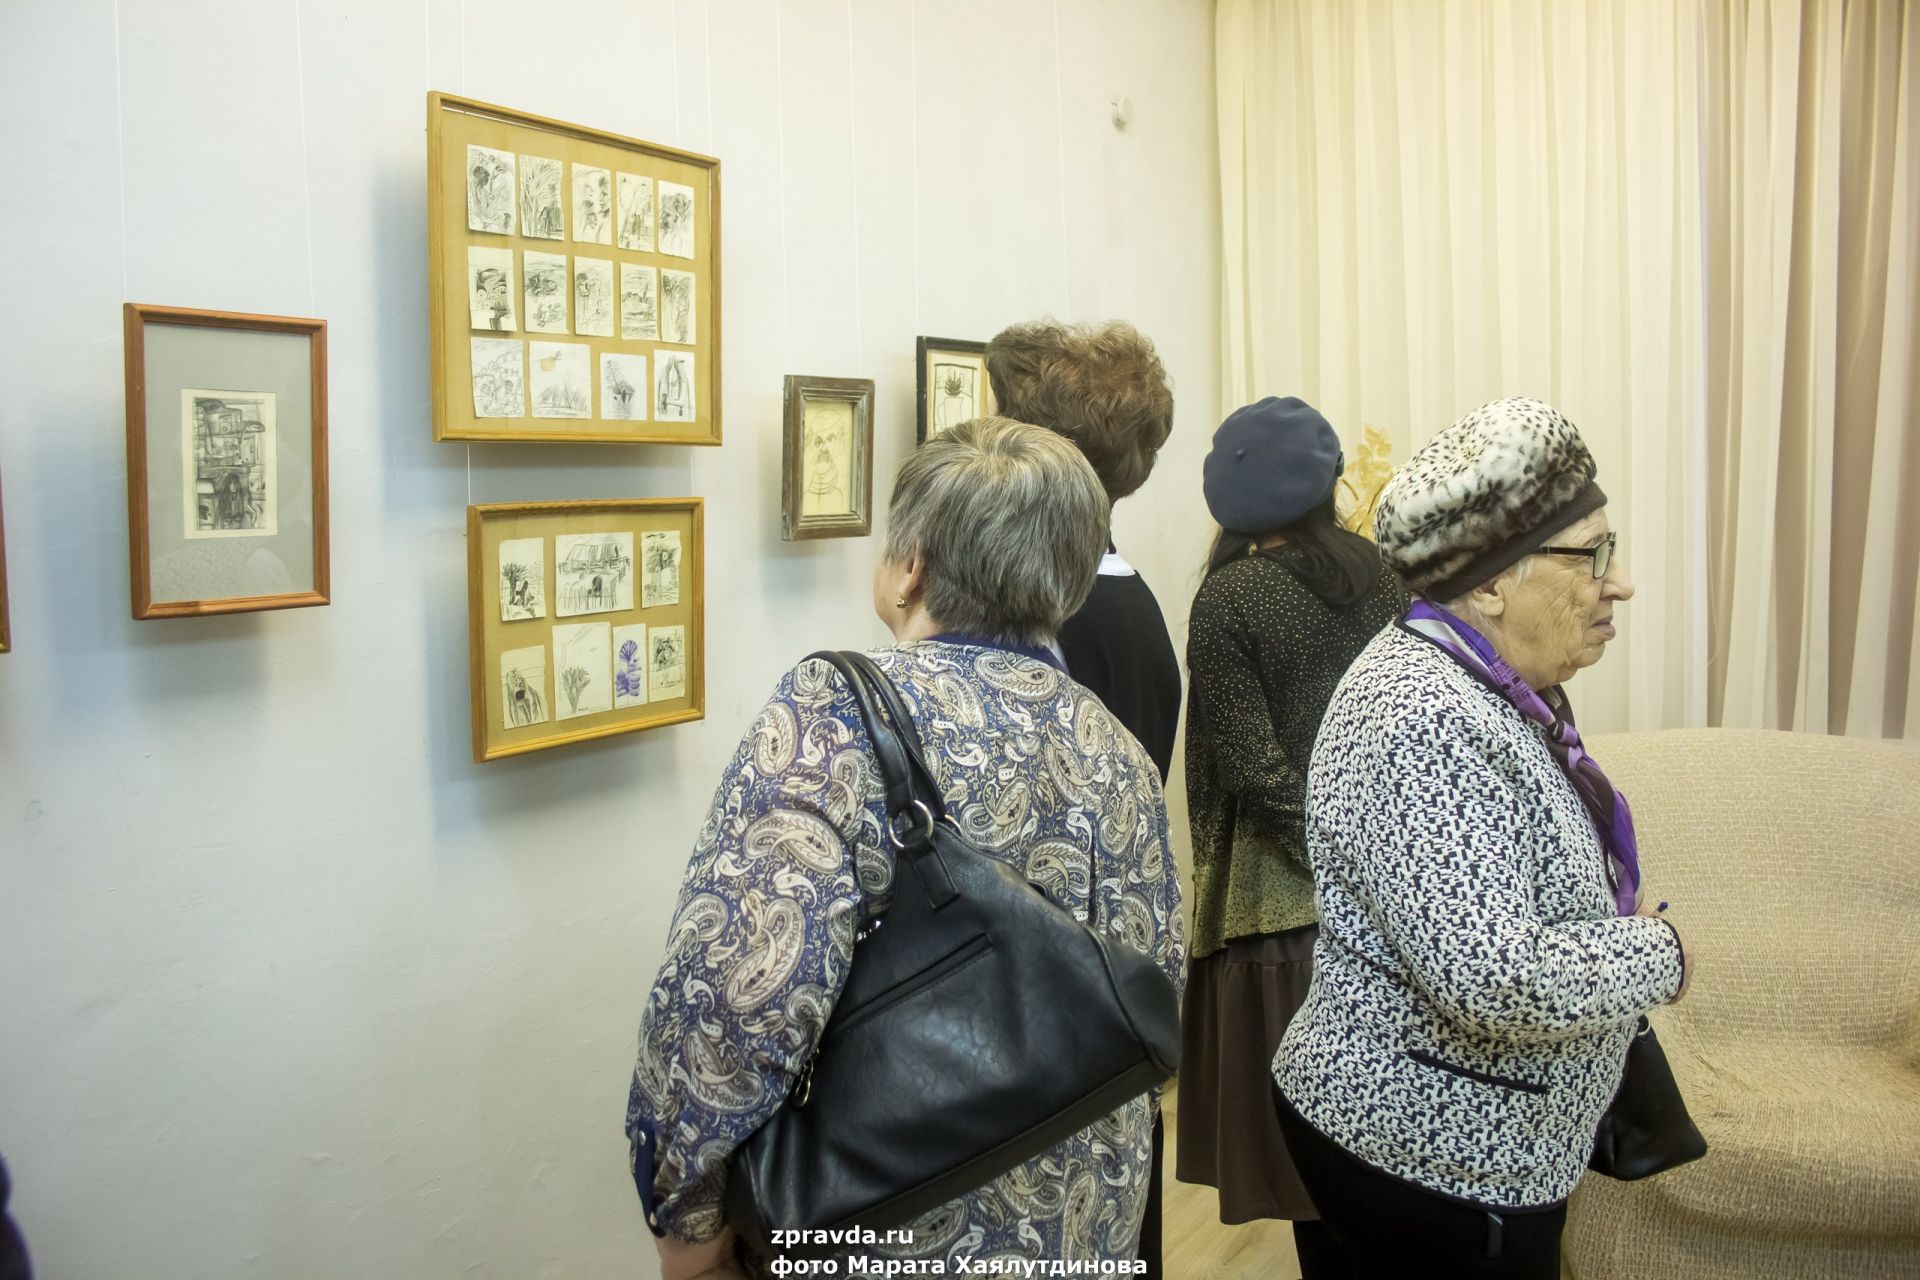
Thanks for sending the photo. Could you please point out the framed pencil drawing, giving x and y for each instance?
(574, 281)
(584, 619)
(951, 380)
(826, 488)
(226, 461)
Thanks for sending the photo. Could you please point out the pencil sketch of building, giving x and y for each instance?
(594, 572)
(229, 439)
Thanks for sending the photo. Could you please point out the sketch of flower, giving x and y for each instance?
(629, 681)
(573, 681)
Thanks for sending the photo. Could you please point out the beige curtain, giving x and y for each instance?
(1687, 223)
(1812, 138)
(1431, 206)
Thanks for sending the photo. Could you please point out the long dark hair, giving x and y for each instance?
(1337, 565)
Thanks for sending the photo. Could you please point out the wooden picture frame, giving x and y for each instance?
(826, 485)
(950, 383)
(573, 281)
(578, 582)
(226, 461)
(6, 628)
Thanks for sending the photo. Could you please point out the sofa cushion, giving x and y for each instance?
(1802, 1141)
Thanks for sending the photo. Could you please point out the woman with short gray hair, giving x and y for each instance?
(995, 531)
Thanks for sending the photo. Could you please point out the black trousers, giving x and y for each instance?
(1379, 1227)
(1150, 1225)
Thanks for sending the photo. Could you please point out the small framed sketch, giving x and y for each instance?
(826, 486)
(951, 377)
(574, 278)
(584, 619)
(226, 461)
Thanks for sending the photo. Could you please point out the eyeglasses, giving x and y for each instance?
(1601, 553)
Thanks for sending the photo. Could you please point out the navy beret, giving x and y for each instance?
(1271, 463)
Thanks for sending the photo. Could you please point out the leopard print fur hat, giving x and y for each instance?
(1482, 495)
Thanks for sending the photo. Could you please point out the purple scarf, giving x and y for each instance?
(1612, 819)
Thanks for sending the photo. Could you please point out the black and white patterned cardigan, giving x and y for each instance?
(1473, 990)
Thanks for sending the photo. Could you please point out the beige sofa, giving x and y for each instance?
(1793, 864)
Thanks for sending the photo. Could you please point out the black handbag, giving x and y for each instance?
(980, 1025)
(1646, 1130)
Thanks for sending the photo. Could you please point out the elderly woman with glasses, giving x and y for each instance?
(996, 533)
(1483, 955)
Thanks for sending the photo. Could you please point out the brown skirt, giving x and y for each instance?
(1239, 1002)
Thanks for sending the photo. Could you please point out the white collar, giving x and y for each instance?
(1113, 566)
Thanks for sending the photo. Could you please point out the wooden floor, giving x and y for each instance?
(1195, 1244)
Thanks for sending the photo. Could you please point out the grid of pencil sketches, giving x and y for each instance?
(533, 284)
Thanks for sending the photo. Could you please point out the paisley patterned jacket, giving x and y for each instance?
(1033, 768)
(1473, 988)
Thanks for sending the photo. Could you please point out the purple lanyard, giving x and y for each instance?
(1612, 819)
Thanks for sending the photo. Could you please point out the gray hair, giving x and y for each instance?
(1009, 520)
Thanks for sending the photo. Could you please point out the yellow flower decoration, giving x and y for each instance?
(1366, 475)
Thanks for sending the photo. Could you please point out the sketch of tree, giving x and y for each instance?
(511, 576)
(573, 682)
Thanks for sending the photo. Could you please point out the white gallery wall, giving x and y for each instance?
(288, 986)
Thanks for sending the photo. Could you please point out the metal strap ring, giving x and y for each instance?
(893, 826)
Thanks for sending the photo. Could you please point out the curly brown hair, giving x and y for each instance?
(1101, 386)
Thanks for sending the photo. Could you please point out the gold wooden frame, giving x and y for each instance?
(136, 317)
(454, 122)
(488, 637)
(857, 392)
